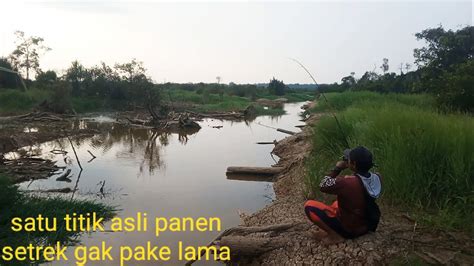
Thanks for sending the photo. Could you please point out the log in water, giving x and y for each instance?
(254, 170)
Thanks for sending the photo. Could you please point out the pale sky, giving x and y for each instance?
(242, 42)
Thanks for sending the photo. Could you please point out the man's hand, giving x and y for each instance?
(342, 164)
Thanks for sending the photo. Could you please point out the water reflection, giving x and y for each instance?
(169, 174)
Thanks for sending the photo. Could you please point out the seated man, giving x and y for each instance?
(355, 212)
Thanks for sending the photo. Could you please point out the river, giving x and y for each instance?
(170, 175)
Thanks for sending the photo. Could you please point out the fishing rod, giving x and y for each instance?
(326, 99)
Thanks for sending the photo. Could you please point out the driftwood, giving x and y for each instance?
(268, 142)
(254, 170)
(251, 177)
(37, 117)
(300, 126)
(232, 237)
(285, 131)
(54, 190)
(27, 168)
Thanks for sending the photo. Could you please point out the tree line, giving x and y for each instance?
(445, 67)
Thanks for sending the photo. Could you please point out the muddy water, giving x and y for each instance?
(170, 175)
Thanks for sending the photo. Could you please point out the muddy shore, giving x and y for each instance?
(398, 238)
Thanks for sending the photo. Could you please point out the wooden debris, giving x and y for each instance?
(28, 168)
(254, 170)
(54, 190)
(286, 131)
(251, 177)
(240, 231)
(38, 117)
(274, 142)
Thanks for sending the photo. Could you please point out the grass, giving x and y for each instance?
(17, 101)
(425, 158)
(14, 101)
(13, 203)
(341, 101)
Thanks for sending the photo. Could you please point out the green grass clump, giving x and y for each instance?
(426, 158)
(13, 204)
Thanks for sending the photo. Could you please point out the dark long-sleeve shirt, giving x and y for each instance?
(351, 201)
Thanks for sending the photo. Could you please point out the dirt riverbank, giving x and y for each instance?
(398, 239)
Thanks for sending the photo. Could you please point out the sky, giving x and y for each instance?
(242, 42)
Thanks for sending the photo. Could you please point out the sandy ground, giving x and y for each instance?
(398, 238)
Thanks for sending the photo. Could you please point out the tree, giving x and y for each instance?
(455, 88)
(385, 65)
(75, 74)
(27, 53)
(444, 48)
(348, 81)
(46, 78)
(276, 87)
(407, 67)
(131, 71)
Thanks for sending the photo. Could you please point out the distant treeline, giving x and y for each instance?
(445, 70)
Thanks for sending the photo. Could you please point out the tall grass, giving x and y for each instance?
(341, 101)
(426, 158)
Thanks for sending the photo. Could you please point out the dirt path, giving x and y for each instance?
(398, 239)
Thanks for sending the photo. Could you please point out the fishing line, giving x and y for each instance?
(326, 99)
(266, 126)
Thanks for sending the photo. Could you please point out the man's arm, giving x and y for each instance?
(331, 183)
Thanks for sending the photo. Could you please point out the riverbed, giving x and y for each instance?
(169, 175)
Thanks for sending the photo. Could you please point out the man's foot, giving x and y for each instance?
(332, 240)
(318, 234)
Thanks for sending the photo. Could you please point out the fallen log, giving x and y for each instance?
(267, 142)
(250, 177)
(243, 230)
(254, 170)
(54, 190)
(285, 131)
(300, 126)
